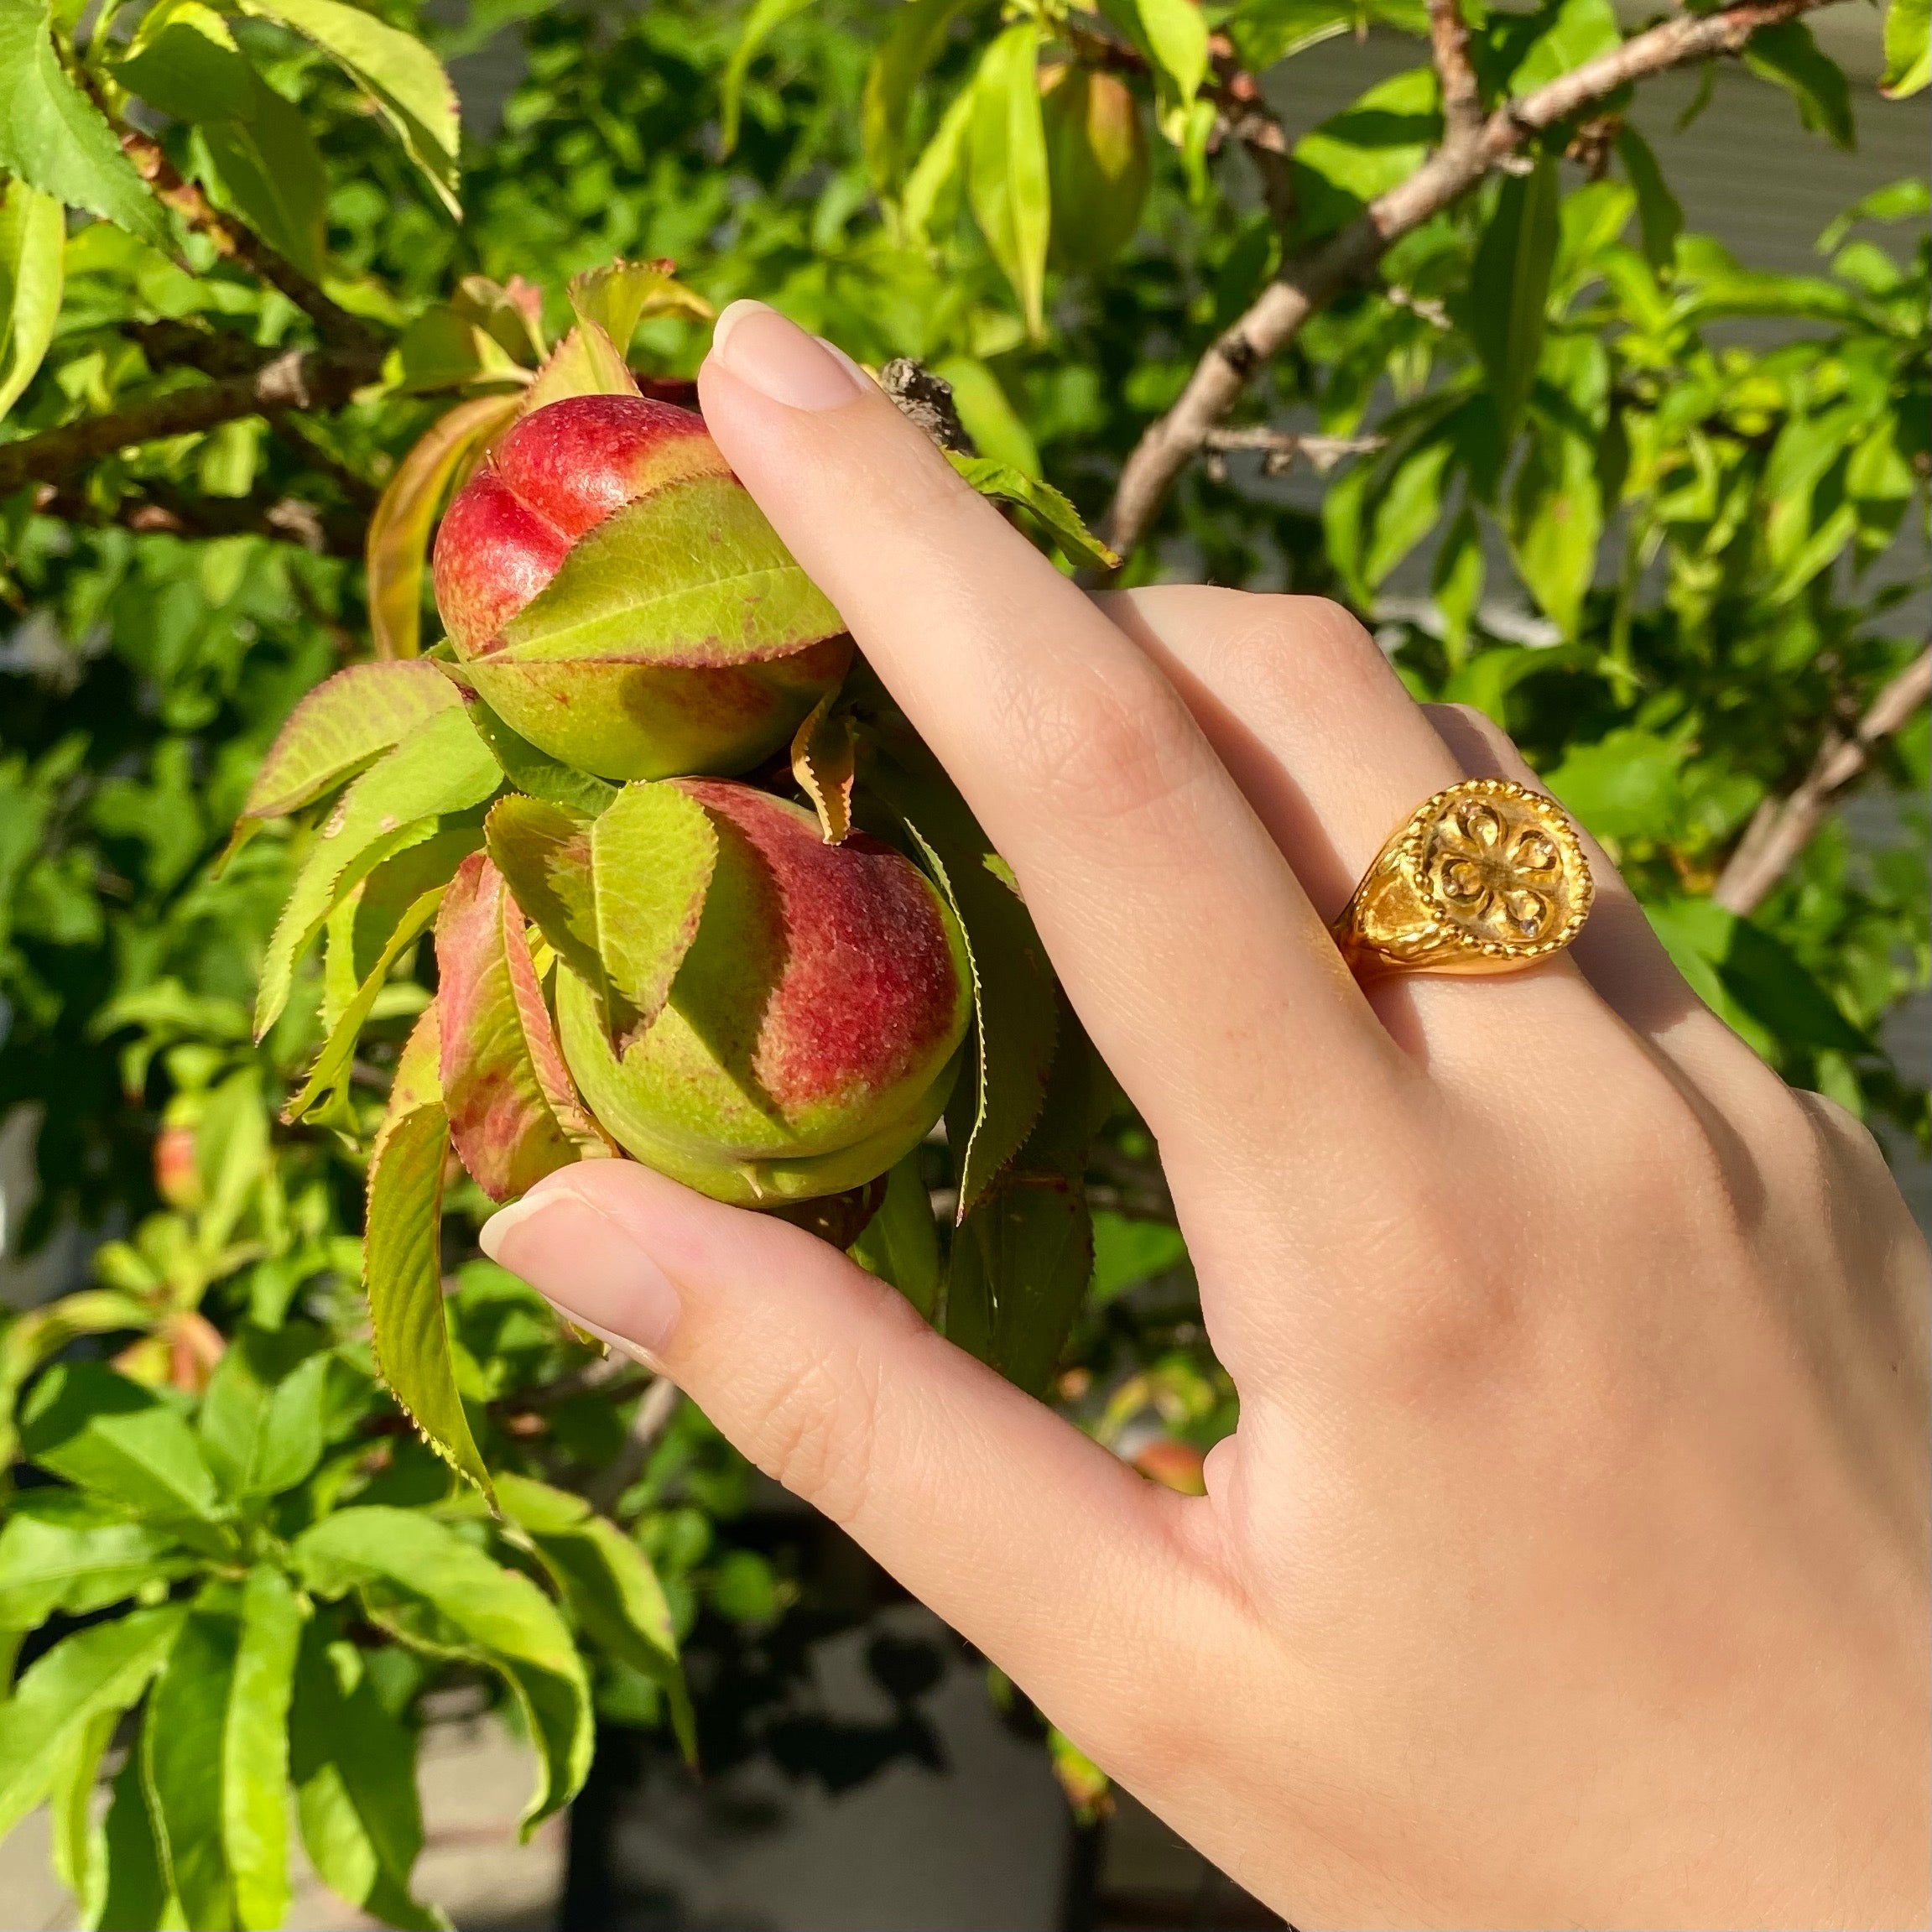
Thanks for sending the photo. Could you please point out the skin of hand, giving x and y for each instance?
(1570, 1564)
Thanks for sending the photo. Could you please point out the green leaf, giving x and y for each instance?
(129, 1890)
(1128, 1252)
(1007, 176)
(441, 767)
(183, 61)
(1556, 520)
(690, 575)
(340, 728)
(913, 43)
(104, 1668)
(652, 856)
(1408, 506)
(1788, 54)
(70, 1803)
(1908, 48)
(1658, 213)
(1059, 519)
(263, 1418)
(764, 19)
(422, 1580)
(255, 1749)
(1509, 299)
(1371, 147)
(1761, 975)
(1579, 31)
(215, 1753)
(31, 1339)
(987, 416)
(253, 148)
(1022, 1257)
(33, 243)
(513, 1112)
(900, 1244)
(544, 853)
(931, 201)
(1456, 582)
(1266, 31)
(399, 73)
(611, 1590)
(536, 772)
(1904, 201)
(1174, 34)
(354, 1769)
(119, 1440)
(63, 1551)
(55, 140)
(402, 1257)
(1013, 1001)
(1625, 785)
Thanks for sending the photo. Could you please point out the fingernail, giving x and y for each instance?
(588, 1267)
(777, 357)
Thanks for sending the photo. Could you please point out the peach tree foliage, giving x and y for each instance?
(246, 352)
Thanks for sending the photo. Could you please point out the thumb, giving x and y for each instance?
(1031, 1540)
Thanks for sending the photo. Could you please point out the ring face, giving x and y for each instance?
(1485, 877)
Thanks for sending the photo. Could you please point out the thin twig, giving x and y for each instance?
(235, 243)
(295, 379)
(1784, 827)
(1280, 448)
(158, 510)
(1461, 96)
(649, 1421)
(1311, 280)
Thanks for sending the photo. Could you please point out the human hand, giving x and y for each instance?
(1569, 1565)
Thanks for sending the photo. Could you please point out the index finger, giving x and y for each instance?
(1155, 889)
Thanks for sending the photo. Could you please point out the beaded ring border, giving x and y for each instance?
(1484, 877)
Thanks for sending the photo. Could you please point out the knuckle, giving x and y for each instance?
(818, 1435)
(1111, 744)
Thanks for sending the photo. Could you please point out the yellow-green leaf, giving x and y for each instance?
(399, 537)
(33, 240)
(1007, 175)
(402, 1257)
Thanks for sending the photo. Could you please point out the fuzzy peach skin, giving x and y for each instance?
(557, 475)
(1569, 1565)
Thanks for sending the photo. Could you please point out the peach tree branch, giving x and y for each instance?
(293, 379)
(1311, 280)
(1782, 827)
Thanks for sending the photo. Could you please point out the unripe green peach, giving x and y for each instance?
(1098, 165)
(812, 1032)
(678, 637)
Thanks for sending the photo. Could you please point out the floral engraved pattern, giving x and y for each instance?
(1495, 866)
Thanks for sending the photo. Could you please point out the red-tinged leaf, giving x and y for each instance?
(402, 1258)
(652, 855)
(344, 724)
(399, 537)
(822, 763)
(586, 363)
(616, 297)
(442, 766)
(544, 852)
(513, 1112)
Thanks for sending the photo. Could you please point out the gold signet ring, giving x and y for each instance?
(1485, 877)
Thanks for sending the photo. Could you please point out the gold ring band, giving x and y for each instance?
(1488, 876)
